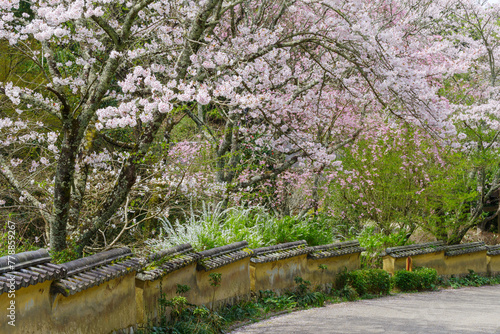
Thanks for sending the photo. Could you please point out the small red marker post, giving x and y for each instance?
(408, 264)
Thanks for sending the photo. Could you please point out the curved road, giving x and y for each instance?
(466, 310)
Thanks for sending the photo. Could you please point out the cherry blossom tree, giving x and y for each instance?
(292, 81)
(475, 96)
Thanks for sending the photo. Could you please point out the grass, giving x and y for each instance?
(214, 227)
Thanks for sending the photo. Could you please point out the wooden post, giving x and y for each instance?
(408, 264)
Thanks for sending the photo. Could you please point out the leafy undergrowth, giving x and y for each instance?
(471, 279)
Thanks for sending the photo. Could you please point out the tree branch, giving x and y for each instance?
(11, 179)
(108, 29)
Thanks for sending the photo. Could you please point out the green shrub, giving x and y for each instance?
(366, 281)
(418, 280)
(271, 302)
(406, 280)
(341, 279)
(376, 242)
(428, 278)
(348, 293)
(305, 297)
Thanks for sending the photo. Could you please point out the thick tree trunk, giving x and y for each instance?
(62, 189)
(80, 181)
(456, 237)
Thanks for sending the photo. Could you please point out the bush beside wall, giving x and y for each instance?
(365, 281)
(419, 280)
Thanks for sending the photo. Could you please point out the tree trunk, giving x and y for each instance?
(62, 189)
(124, 183)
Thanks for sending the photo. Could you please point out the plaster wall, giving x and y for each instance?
(148, 292)
(100, 309)
(235, 285)
(32, 310)
(493, 264)
(278, 275)
(460, 264)
(431, 260)
(334, 265)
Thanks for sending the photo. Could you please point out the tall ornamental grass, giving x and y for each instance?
(214, 227)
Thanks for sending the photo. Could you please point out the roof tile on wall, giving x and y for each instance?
(493, 250)
(279, 252)
(336, 249)
(417, 249)
(221, 256)
(167, 260)
(96, 269)
(27, 268)
(460, 249)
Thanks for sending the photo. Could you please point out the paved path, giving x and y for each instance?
(466, 310)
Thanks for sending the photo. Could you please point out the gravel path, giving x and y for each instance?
(466, 310)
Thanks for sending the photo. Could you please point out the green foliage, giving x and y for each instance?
(241, 311)
(428, 278)
(304, 297)
(382, 176)
(348, 292)
(418, 280)
(471, 279)
(271, 302)
(288, 229)
(365, 281)
(215, 227)
(191, 320)
(215, 279)
(177, 304)
(406, 280)
(302, 285)
(186, 129)
(375, 243)
(69, 254)
(22, 245)
(341, 279)
(181, 288)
